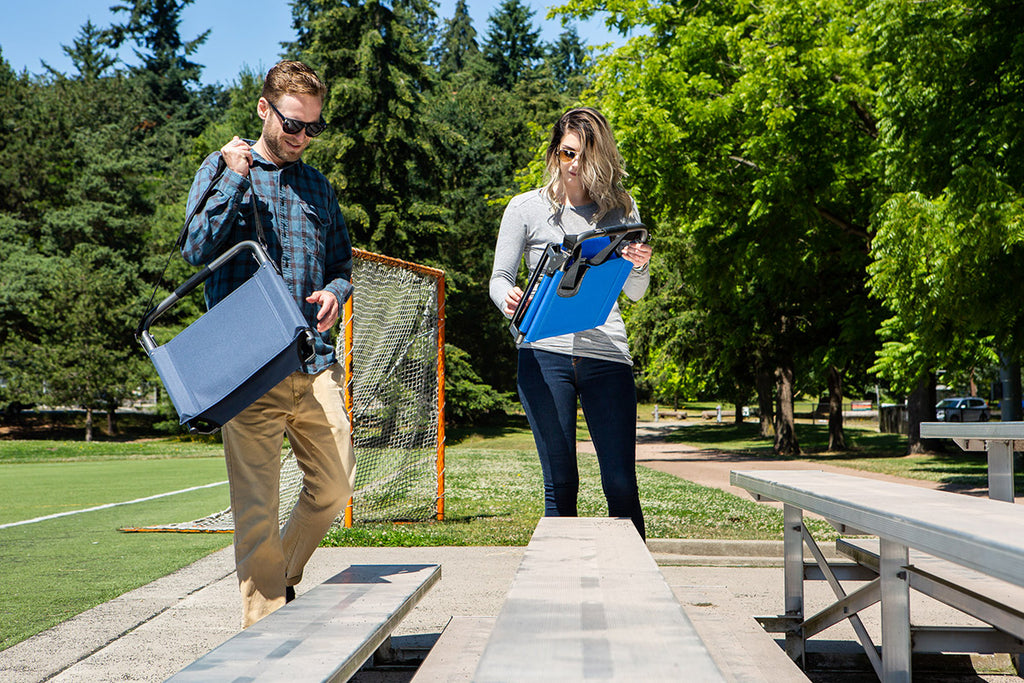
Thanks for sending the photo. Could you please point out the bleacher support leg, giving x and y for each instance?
(893, 560)
(1000, 470)
(793, 554)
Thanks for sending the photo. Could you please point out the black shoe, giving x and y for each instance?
(289, 594)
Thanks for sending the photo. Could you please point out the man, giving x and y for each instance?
(307, 238)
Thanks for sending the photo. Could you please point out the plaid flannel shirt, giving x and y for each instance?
(305, 232)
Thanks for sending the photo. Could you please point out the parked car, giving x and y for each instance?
(965, 409)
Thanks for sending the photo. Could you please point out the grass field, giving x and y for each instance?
(494, 497)
(54, 569)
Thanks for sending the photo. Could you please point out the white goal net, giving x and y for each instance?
(392, 345)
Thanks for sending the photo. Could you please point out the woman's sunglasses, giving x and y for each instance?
(567, 155)
(293, 126)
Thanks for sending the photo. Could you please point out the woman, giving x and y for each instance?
(583, 191)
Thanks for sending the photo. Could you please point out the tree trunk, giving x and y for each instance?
(785, 419)
(836, 436)
(920, 408)
(742, 398)
(764, 400)
(88, 424)
(111, 418)
(1009, 376)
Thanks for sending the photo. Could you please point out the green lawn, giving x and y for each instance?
(26, 451)
(494, 497)
(39, 489)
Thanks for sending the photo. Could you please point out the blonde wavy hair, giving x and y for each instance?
(601, 167)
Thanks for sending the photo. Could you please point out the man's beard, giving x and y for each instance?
(277, 147)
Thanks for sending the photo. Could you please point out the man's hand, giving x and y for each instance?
(329, 310)
(237, 156)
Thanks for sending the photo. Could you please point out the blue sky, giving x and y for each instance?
(30, 33)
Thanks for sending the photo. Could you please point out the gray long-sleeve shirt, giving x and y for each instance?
(527, 227)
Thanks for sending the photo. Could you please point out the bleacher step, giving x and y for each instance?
(455, 655)
(743, 650)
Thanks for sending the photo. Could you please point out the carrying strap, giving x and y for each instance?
(618, 237)
(221, 167)
(183, 235)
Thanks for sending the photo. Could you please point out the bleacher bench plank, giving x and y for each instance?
(743, 650)
(978, 533)
(326, 634)
(588, 602)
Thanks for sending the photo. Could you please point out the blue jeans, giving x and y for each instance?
(549, 384)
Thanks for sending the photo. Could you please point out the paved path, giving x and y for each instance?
(709, 467)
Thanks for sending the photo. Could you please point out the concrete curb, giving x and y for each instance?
(697, 552)
(719, 547)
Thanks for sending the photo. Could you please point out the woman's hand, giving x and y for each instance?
(637, 253)
(512, 299)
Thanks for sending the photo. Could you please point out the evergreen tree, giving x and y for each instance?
(489, 138)
(513, 45)
(87, 196)
(92, 361)
(171, 108)
(88, 55)
(458, 45)
(238, 117)
(568, 62)
(86, 204)
(379, 151)
(303, 13)
(20, 177)
(153, 26)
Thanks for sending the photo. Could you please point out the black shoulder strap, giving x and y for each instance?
(183, 235)
(221, 167)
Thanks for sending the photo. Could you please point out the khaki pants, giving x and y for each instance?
(311, 409)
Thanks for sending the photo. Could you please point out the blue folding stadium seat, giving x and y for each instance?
(576, 283)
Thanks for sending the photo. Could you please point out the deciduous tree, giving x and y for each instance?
(723, 111)
(950, 231)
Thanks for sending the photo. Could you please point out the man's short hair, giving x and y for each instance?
(292, 78)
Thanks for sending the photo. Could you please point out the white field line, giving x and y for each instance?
(111, 505)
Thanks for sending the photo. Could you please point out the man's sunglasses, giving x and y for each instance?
(293, 126)
(567, 155)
